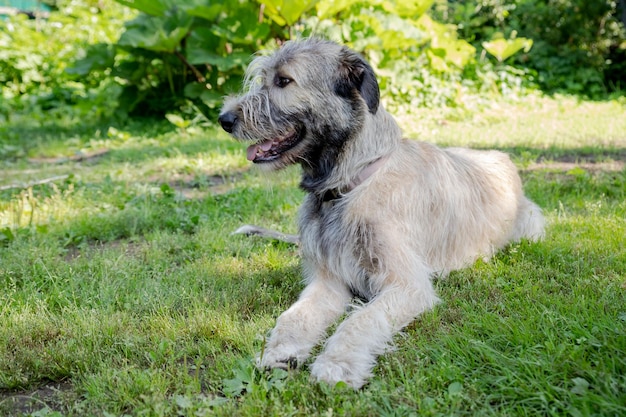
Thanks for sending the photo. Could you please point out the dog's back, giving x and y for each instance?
(455, 204)
(529, 221)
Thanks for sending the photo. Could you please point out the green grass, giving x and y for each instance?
(122, 291)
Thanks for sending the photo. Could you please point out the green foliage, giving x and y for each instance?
(574, 41)
(178, 53)
(34, 56)
(96, 59)
(247, 379)
(417, 59)
(192, 52)
(502, 49)
(150, 7)
(187, 55)
(286, 12)
(157, 33)
(579, 45)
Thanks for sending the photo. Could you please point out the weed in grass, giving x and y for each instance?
(247, 379)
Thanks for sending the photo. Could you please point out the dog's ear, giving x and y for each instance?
(356, 73)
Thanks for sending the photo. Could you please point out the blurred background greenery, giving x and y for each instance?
(95, 59)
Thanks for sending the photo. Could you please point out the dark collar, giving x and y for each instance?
(368, 171)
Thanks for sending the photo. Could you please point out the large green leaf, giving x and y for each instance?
(208, 12)
(160, 34)
(393, 31)
(287, 11)
(205, 9)
(455, 51)
(445, 47)
(211, 98)
(194, 90)
(408, 8)
(203, 48)
(503, 49)
(223, 63)
(151, 7)
(241, 29)
(444, 51)
(328, 8)
(99, 56)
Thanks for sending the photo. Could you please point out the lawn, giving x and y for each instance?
(123, 292)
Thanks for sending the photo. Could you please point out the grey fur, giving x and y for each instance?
(420, 211)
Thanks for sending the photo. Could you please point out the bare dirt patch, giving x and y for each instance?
(611, 161)
(610, 166)
(49, 396)
(130, 248)
(194, 187)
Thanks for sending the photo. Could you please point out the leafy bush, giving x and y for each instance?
(177, 51)
(188, 54)
(574, 39)
(193, 52)
(579, 45)
(34, 55)
(157, 56)
(418, 60)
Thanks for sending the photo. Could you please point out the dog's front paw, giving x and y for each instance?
(332, 371)
(282, 356)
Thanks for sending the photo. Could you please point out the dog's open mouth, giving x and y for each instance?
(272, 149)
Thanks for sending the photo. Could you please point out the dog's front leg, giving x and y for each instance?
(302, 326)
(350, 354)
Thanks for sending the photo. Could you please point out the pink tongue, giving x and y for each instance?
(253, 149)
(252, 152)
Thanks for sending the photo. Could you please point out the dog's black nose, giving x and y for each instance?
(228, 120)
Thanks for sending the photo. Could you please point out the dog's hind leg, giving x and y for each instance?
(350, 354)
(304, 324)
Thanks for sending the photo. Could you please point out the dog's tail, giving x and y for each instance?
(530, 222)
(251, 230)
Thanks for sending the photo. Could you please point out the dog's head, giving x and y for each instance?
(302, 103)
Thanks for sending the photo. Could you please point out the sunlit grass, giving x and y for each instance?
(563, 123)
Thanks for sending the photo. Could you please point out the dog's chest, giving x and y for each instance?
(340, 243)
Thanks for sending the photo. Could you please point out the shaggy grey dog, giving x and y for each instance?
(382, 216)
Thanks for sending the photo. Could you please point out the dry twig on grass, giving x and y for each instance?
(33, 183)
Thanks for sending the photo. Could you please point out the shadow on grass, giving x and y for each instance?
(49, 397)
(588, 154)
(54, 135)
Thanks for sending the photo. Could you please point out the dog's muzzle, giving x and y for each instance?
(228, 121)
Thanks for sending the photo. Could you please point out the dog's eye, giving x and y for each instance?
(281, 82)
